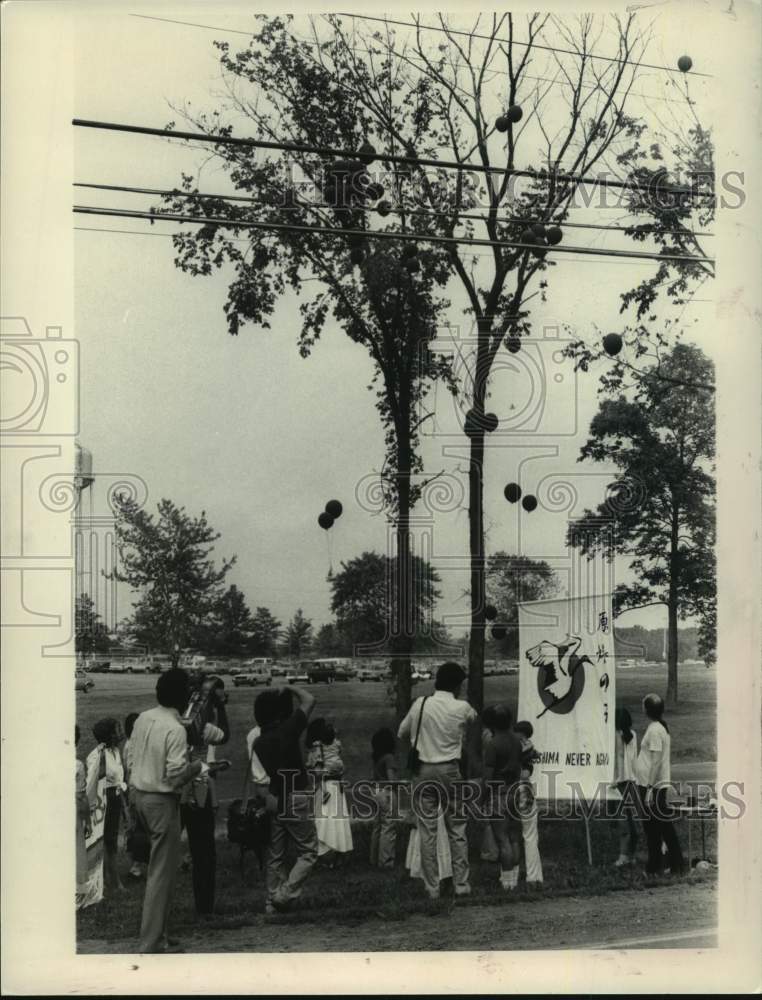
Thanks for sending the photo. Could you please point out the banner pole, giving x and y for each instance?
(587, 837)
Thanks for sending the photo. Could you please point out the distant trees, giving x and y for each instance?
(299, 635)
(167, 560)
(90, 633)
(229, 631)
(266, 630)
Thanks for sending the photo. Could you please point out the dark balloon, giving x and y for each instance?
(490, 612)
(409, 250)
(374, 192)
(325, 521)
(554, 235)
(490, 422)
(612, 344)
(334, 509)
(515, 113)
(512, 492)
(514, 344)
(502, 124)
(529, 502)
(538, 228)
(684, 63)
(383, 208)
(540, 250)
(498, 631)
(528, 236)
(367, 152)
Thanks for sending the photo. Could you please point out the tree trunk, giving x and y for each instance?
(403, 625)
(671, 698)
(476, 523)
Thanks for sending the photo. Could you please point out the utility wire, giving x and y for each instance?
(373, 234)
(425, 213)
(294, 147)
(512, 41)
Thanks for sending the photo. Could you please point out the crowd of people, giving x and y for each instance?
(162, 780)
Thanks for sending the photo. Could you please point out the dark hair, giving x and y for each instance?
(129, 722)
(623, 723)
(104, 730)
(449, 677)
(502, 719)
(286, 703)
(653, 706)
(268, 708)
(173, 689)
(315, 731)
(488, 717)
(382, 742)
(329, 734)
(76, 734)
(525, 729)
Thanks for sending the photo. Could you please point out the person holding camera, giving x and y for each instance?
(198, 801)
(160, 768)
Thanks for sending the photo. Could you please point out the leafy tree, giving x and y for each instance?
(363, 600)
(90, 633)
(511, 580)
(299, 634)
(230, 630)
(265, 632)
(661, 439)
(425, 99)
(167, 559)
(330, 641)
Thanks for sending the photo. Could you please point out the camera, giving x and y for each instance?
(40, 380)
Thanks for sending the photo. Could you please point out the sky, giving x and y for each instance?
(259, 437)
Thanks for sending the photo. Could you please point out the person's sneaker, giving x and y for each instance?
(463, 890)
(621, 861)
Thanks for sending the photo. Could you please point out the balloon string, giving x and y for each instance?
(329, 544)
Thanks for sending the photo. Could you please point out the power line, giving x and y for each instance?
(511, 41)
(308, 41)
(373, 234)
(294, 147)
(397, 211)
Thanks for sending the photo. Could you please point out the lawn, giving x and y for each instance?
(355, 891)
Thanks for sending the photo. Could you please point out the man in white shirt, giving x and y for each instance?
(436, 727)
(160, 768)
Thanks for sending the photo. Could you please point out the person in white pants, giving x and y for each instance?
(528, 805)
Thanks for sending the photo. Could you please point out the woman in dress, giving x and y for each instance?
(331, 813)
(106, 788)
(625, 757)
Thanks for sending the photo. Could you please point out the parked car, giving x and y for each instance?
(369, 675)
(318, 673)
(259, 669)
(250, 678)
(99, 666)
(344, 673)
(278, 671)
(297, 677)
(82, 682)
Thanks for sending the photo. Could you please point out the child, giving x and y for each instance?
(331, 813)
(527, 805)
(384, 836)
(138, 844)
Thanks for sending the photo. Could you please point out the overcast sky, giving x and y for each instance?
(247, 429)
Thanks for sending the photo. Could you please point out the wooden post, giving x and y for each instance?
(587, 837)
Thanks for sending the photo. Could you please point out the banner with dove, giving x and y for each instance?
(567, 691)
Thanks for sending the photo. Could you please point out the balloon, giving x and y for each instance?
(383, 208)
(409, 250)
(374, 191)
(490, 422)
(514, 113)
(612, 344)
(554, 235)
(541, 249)
(529, 503)
(367, 152)
(325, 521)
(334, 509)
(514, 344)
(684, 63)
(538, 228)
(512, 492)
(498, 631)
(490, 612)
(502, 124)
(528, 236)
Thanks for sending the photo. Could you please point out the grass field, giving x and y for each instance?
(355, 892)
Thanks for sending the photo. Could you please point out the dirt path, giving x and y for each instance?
(676, 916)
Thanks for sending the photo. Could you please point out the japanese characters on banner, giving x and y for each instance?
(567, 690)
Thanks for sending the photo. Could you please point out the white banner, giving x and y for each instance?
(567, 690)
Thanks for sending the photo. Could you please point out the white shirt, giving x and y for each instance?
(442, 727)
(159, 750)
(625, 758)
(653, 766)
(258, 774)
